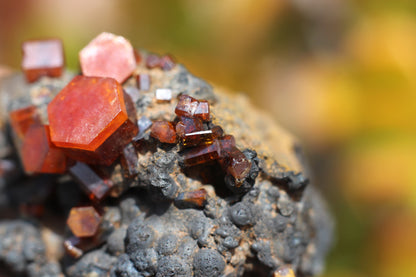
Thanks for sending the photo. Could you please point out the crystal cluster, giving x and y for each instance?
(92, 123)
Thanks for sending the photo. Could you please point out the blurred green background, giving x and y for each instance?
(339, 74)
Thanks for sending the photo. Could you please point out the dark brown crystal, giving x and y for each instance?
(202, 154)
(95, 187)
(163, 131)
(188, 125)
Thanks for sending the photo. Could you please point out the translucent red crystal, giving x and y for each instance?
(95, 187)
(22, 119)
(163, 131)
(39, 155)
(108, 55)
(167, 62)
(236, 164)
(186, 106)
(143, 82)
(92, 119)
(196, 198)
(42, 58)
(84, 221)
(202, 110)
(191, 107)
(202, 154)
(188, 125)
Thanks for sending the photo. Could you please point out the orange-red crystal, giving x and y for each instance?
(108, 55)
(42, 58)
(163, 131)
(38, 153)
(91, 119)
(84, 221)
(22, 119)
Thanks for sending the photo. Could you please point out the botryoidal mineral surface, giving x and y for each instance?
(275, 219)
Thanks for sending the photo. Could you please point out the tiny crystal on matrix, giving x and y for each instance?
(129, 161)
(198, 138)
(22, 119)
(92, 119)
(196, 198)
(94, 186)
(167, 63)
(188, 125)
(202, 154)
(186, 106)
(143, 82)
(38, 153)
(163, 131)
(84, 221)
(42, 58)
(152, 61)
(202, 110)
(163, 95)
(190, 107)
(236, 164)
(108, 55)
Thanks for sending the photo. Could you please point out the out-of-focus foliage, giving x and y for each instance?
(339, 74)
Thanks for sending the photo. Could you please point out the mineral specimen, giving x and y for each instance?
(42, 58)
(190, 199)
(143, 82)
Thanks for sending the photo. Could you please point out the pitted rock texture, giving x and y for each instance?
(274, 218)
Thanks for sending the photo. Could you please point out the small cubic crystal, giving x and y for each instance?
(163, 95)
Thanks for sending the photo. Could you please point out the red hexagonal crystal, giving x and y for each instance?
(42, 58)
(108, 55)
(84, 221)
(92, 119)
(39, 155)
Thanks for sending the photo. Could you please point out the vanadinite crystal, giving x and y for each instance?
(163, 131)
(143, 82)
(92, 119)
(22, 119)
(188, 125)
(42, 58)
(152, 61)
(94, 186)
(191, 107)
(167, 63)
(236, 164)
(202, 154)
(129, 161)
(39, 155)
(84, 221)
(196, 198)
(108, 55)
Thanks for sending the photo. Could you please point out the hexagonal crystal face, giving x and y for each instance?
(84, 221)
(86, 112)
(108, 55)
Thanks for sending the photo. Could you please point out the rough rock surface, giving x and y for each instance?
(275, 218)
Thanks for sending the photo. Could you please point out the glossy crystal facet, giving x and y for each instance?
(108, 55)
(92, 119)
(163, 131)
(42, 58)
(84, 221)
(39, 155)
(22, 119)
